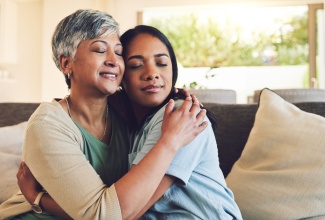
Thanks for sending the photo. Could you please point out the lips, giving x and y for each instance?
(108, 75)
(152, 88)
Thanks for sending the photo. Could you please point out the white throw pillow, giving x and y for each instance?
(9, 164)
(11, 141)
(281, 172)
(12, 137)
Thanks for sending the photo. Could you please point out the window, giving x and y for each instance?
(243, 48)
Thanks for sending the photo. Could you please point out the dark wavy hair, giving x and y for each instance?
(130, 34)
(127, 38)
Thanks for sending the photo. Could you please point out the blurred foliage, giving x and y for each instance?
(198, 44)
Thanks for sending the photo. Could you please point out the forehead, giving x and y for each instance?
(110, 39)
(146, 43)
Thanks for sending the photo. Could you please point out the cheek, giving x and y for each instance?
(127, 82)
(169, 79)
(122, 66)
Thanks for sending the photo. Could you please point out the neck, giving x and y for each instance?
(93, 118)
(140, 112)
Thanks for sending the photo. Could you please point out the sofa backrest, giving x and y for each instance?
(234, 123)
(14, 113)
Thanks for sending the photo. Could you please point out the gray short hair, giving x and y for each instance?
(77, 27)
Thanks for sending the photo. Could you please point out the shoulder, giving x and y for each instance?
(47, 111)
(51, 115)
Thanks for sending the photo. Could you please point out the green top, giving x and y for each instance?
(110, 161)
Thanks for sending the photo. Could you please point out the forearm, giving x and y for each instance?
(164, 185)
(49, 205)
(141, 182)
(179, 127)
(62, 170)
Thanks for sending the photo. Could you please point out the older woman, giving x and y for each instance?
(77, 147)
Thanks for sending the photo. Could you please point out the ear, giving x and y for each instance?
(65, 64)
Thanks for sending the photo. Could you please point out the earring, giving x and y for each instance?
(68, 75)
(119, 89)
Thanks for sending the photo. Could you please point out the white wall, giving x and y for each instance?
(35, 77)
(24, 81)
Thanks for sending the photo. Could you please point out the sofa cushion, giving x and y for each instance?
(234, 122)
(280, 173)
(11, 140)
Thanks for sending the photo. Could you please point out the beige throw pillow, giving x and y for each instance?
(281, 172)
(11, 141)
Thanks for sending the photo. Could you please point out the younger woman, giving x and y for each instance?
(194, 186)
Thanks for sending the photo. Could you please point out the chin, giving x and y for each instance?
(153, 103)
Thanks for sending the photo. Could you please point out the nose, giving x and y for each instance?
(151, 73)
(151, 77)
(111, 60)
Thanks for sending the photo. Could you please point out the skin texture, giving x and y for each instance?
(97, 71)
(148, 81)
(93, 72)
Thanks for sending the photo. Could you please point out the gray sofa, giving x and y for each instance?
(234, 123)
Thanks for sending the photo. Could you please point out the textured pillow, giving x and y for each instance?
(9, 164)
(281, 172)
(11, 140)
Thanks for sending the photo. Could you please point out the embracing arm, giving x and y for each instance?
(164, 185)
(179, 128)
(30, 188)
(135, 188)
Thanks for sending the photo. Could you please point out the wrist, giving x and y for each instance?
(31, 197)
(168, 143)
(36, 207)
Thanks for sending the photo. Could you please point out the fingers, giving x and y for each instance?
(181, 92)
(169, 107)
(195, 108)
(201, 116)
(200, 103)
(191, 104)
(187, 104)
(20, 170)
(202, 126)
(25, 167)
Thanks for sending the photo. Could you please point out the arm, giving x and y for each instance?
(26, 180)
(137, 186)
(164, 185)
(180, 169)
(179, 128)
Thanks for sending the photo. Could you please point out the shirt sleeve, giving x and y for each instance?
(55, 158)
(186, 159)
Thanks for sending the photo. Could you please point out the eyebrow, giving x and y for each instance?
(141, 57)
(105, 42)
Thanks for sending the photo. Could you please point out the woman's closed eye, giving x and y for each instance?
(133, 67)
(161, 64)
(134, 64)
(118, 53)
(99, 50)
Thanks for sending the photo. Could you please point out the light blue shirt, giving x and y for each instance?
(200, 190)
